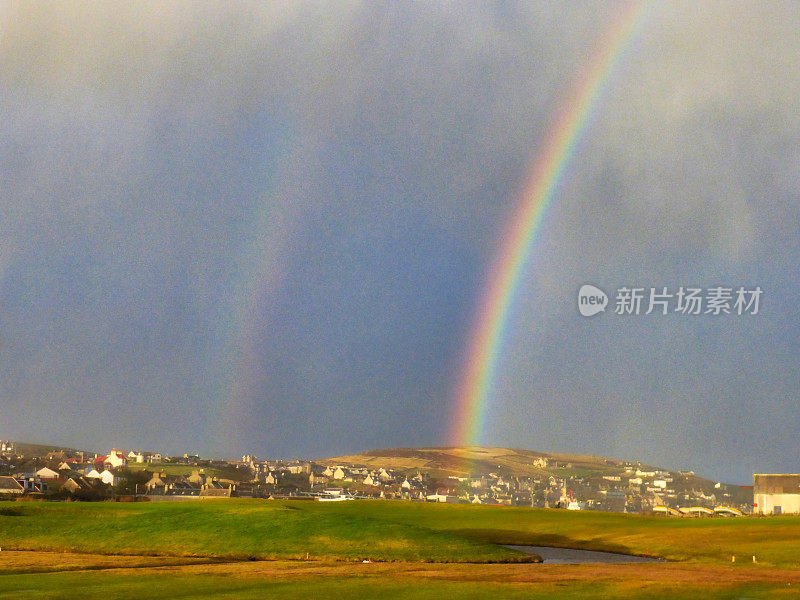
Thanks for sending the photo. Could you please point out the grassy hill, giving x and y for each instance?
(236, 529)
(430, 551)
(381, 530)
(479, 460)
(40, 449)
(472, 460)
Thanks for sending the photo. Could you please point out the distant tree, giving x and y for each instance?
(130, 481)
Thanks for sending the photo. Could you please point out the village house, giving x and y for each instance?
(115, 459)
(110, 478)
(197, 478)
(214, 489)
(79, 484)
(136, 456)
(47, 473)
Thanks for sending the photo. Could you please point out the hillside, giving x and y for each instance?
(28, 449)
(480, 460)
(587, 476)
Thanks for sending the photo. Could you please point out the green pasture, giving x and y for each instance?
(104, 586)
(185, 470)
(384, 530)
(238, 529)
(773, 540)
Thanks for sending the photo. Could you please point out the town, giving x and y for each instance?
(452, 475)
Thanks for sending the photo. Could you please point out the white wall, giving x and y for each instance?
(766, 503)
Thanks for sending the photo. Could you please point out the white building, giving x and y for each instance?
(776, 494)
(46, 473)
(116, 459)
(109, 478)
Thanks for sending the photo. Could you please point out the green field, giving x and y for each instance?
(185, 470)
(257, 549)
(773, 540)
(237, 529)
(382, 530)
(87, 586)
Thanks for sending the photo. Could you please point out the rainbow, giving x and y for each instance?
(545, 175)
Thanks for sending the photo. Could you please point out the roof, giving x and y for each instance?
(775, 483)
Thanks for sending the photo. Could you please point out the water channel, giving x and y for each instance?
(573, 556)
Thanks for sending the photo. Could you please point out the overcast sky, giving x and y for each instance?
(265, 227)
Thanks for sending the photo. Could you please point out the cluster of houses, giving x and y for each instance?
(628, 488)
(75, 474)
(622, 487)
(60, 472)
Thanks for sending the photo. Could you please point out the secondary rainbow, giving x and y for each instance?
(541, 187)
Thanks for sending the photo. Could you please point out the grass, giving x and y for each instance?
(184, 470)
(468, 582)
(232, 529)
(773, 540)
(431, 546)
(384, 531)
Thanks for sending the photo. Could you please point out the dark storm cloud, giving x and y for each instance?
(278, 219)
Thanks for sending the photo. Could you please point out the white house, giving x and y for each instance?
(109, 477)
(136, 457)
(116, 459)
(46, 473)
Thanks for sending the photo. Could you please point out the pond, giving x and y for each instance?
(573, 556)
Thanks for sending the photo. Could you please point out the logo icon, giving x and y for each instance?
(591, 300)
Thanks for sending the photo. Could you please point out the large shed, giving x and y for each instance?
(775, 494)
